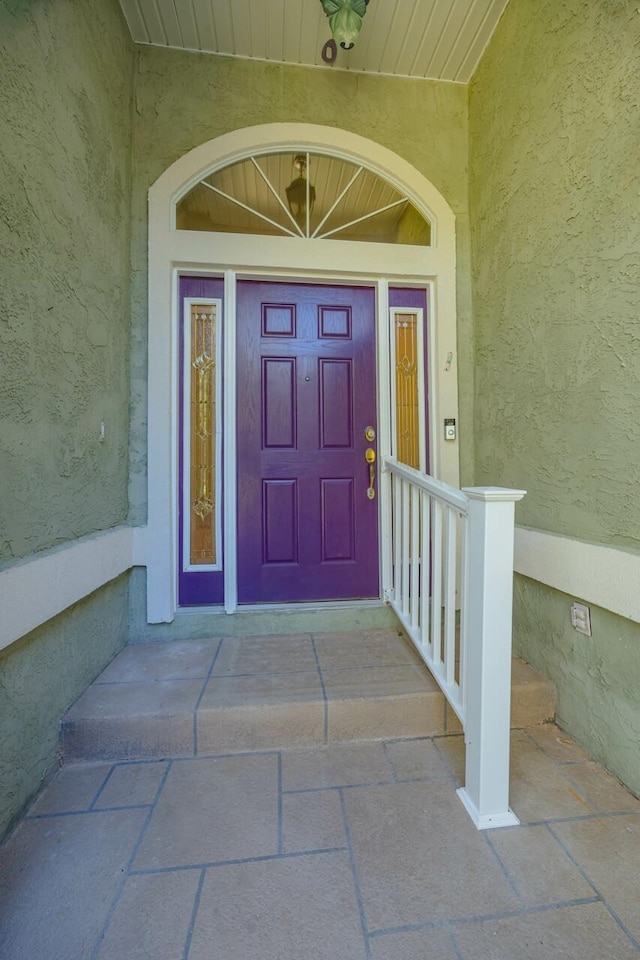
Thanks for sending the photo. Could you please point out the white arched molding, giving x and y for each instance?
(171, 251)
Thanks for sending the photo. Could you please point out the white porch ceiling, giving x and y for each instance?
(434, 39)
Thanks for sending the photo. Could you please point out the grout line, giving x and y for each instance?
(408, 739)
(204, 687)
(101, 788)
(139, 761)
(514, 887)
(192, 922)
(483, 918)
(280, 826)
(408, 928)
(163, 780)
(579, 818)
(391, 665)
(356, 881)
(324, 692)
(340, 786)
(126, 871)
(210, 864)
(239, 754)
(450, 771)
(594, 887)
(620, 922)
(573, 860)
(259, 673)
(390, 763)
(147, 683)
(454, 941)
(448, 776)
(529, 911)
(86, 813)
(428, 778)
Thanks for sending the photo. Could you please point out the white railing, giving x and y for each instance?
(450, 572)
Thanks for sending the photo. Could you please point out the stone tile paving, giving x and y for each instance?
(338, 852)
(203, 697)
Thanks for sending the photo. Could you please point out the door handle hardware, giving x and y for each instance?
(370, 457)
(369, 434)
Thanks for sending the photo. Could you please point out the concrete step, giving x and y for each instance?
(187, 698)
(197, 623)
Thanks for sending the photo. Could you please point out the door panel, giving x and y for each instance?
(306, 392)
(336, 404)
(338, 535)
(278, 403)
(280, 518)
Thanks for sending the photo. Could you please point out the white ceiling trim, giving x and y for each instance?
(421, 39)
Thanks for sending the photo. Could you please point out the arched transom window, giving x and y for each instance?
(302, 194)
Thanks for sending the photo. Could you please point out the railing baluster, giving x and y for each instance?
(415, 557)
(450, 596)
(397, 538)
(425, 569)
(436, 581)
(405, 547)
(461, 650)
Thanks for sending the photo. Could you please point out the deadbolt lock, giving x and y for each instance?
(369, 434)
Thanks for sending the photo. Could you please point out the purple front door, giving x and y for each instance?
(307, 527)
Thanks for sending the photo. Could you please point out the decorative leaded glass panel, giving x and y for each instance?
(302, 194)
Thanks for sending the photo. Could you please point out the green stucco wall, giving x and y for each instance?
(555, 214)
(65, 172)
(555, 224)
(184, 99)
(40, 677)
(66, 72)
(598, 676)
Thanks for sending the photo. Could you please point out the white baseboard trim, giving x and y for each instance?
(604, 576)
(40, 587)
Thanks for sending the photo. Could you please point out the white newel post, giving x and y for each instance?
(488, 657)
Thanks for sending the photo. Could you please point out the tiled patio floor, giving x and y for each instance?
(341, 851)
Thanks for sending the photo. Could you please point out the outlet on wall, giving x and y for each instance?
(581, 618)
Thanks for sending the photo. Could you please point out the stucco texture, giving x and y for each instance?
(555, 220)
(65, 97)
(185, 99)
(597, 676)
(40, 677)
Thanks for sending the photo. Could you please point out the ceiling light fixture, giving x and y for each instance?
(301, 195)
(345, 20)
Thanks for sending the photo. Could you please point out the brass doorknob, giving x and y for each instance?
(370, 457)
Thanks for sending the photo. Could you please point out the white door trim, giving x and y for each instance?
(230, 483)
(174, 251)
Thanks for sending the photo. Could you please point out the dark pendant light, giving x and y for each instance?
(300, 193)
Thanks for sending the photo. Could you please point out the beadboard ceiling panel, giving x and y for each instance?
(434, 39)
